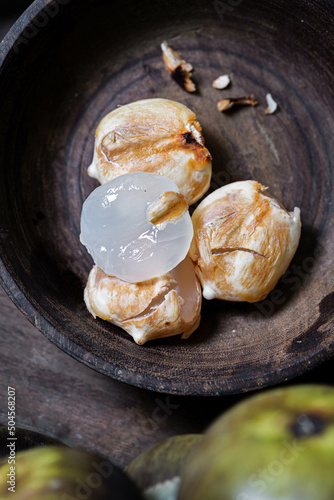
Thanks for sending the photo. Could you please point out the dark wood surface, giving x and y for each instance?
(63, 398)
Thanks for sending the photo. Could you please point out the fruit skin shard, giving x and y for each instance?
(276, 445)
(117, 232)
(178, 68)
(153, 135)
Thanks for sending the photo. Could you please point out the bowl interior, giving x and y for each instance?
(64, 66)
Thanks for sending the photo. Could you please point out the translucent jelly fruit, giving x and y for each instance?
(117, 232)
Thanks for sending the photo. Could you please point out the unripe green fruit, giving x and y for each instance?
(278, 445)
(156, 471)
(61, 473)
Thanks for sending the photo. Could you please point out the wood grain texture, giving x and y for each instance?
(58, 82)
(64, 399)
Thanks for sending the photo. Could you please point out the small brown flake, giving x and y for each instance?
(178, 68)
(226, 104)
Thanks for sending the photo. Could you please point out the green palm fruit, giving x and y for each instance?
(62, 473)
(278, 445)
(156, 472)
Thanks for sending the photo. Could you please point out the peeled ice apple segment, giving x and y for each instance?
(244, 241)
(156, 136)
(161, 307)
(118, 234)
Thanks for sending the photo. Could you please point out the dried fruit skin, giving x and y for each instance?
(157, 136)
(244, 242)
(169, 207)
(228, 103)
(157, 308)
(178, 68)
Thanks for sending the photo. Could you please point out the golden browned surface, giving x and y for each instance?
(157, 136)
(170, 206)
(148, 310)
(244, 241)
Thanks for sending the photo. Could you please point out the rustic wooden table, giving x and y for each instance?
(60, 397)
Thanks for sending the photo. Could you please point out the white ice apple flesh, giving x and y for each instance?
(117, 231)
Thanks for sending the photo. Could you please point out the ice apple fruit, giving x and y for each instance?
(278, 445)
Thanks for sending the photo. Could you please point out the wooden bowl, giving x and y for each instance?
(64, 65)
